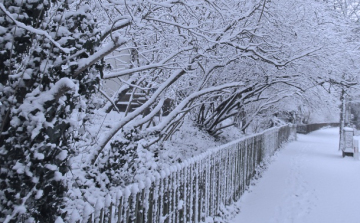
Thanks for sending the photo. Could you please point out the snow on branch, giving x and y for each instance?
(100, 147)
(34, 30)
(109, 99)
(190, 98)
(133, 70)
(166, 4)
(304, 54)
(151, 114)
(87, 62)
(145, 67)
(120, 23)
(253, 49)
(174, 23)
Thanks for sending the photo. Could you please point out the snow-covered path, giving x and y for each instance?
(308, 181)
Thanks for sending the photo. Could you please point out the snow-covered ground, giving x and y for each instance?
(307, 181)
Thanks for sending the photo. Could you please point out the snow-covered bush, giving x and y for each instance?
(46, 78)
(120, 165)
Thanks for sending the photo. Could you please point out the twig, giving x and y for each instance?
(34, 30)
(109, 99)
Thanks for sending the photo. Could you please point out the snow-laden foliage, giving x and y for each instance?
(45, 82)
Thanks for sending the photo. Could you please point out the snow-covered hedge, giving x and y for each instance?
(194, 189)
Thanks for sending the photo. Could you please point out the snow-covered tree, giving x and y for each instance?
(203, 55)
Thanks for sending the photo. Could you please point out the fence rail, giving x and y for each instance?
(305, 129)
(195, 189)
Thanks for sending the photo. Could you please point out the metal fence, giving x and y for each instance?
(196, 189)
(305, 129)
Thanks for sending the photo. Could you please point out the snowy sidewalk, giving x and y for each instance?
(308, 181)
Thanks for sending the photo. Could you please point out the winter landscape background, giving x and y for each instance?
(102, 100)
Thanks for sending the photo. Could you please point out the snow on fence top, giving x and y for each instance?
(195, 189)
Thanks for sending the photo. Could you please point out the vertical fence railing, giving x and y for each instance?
(195, 189)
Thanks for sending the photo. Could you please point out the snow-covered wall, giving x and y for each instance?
(194, 190)
(118, 61)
